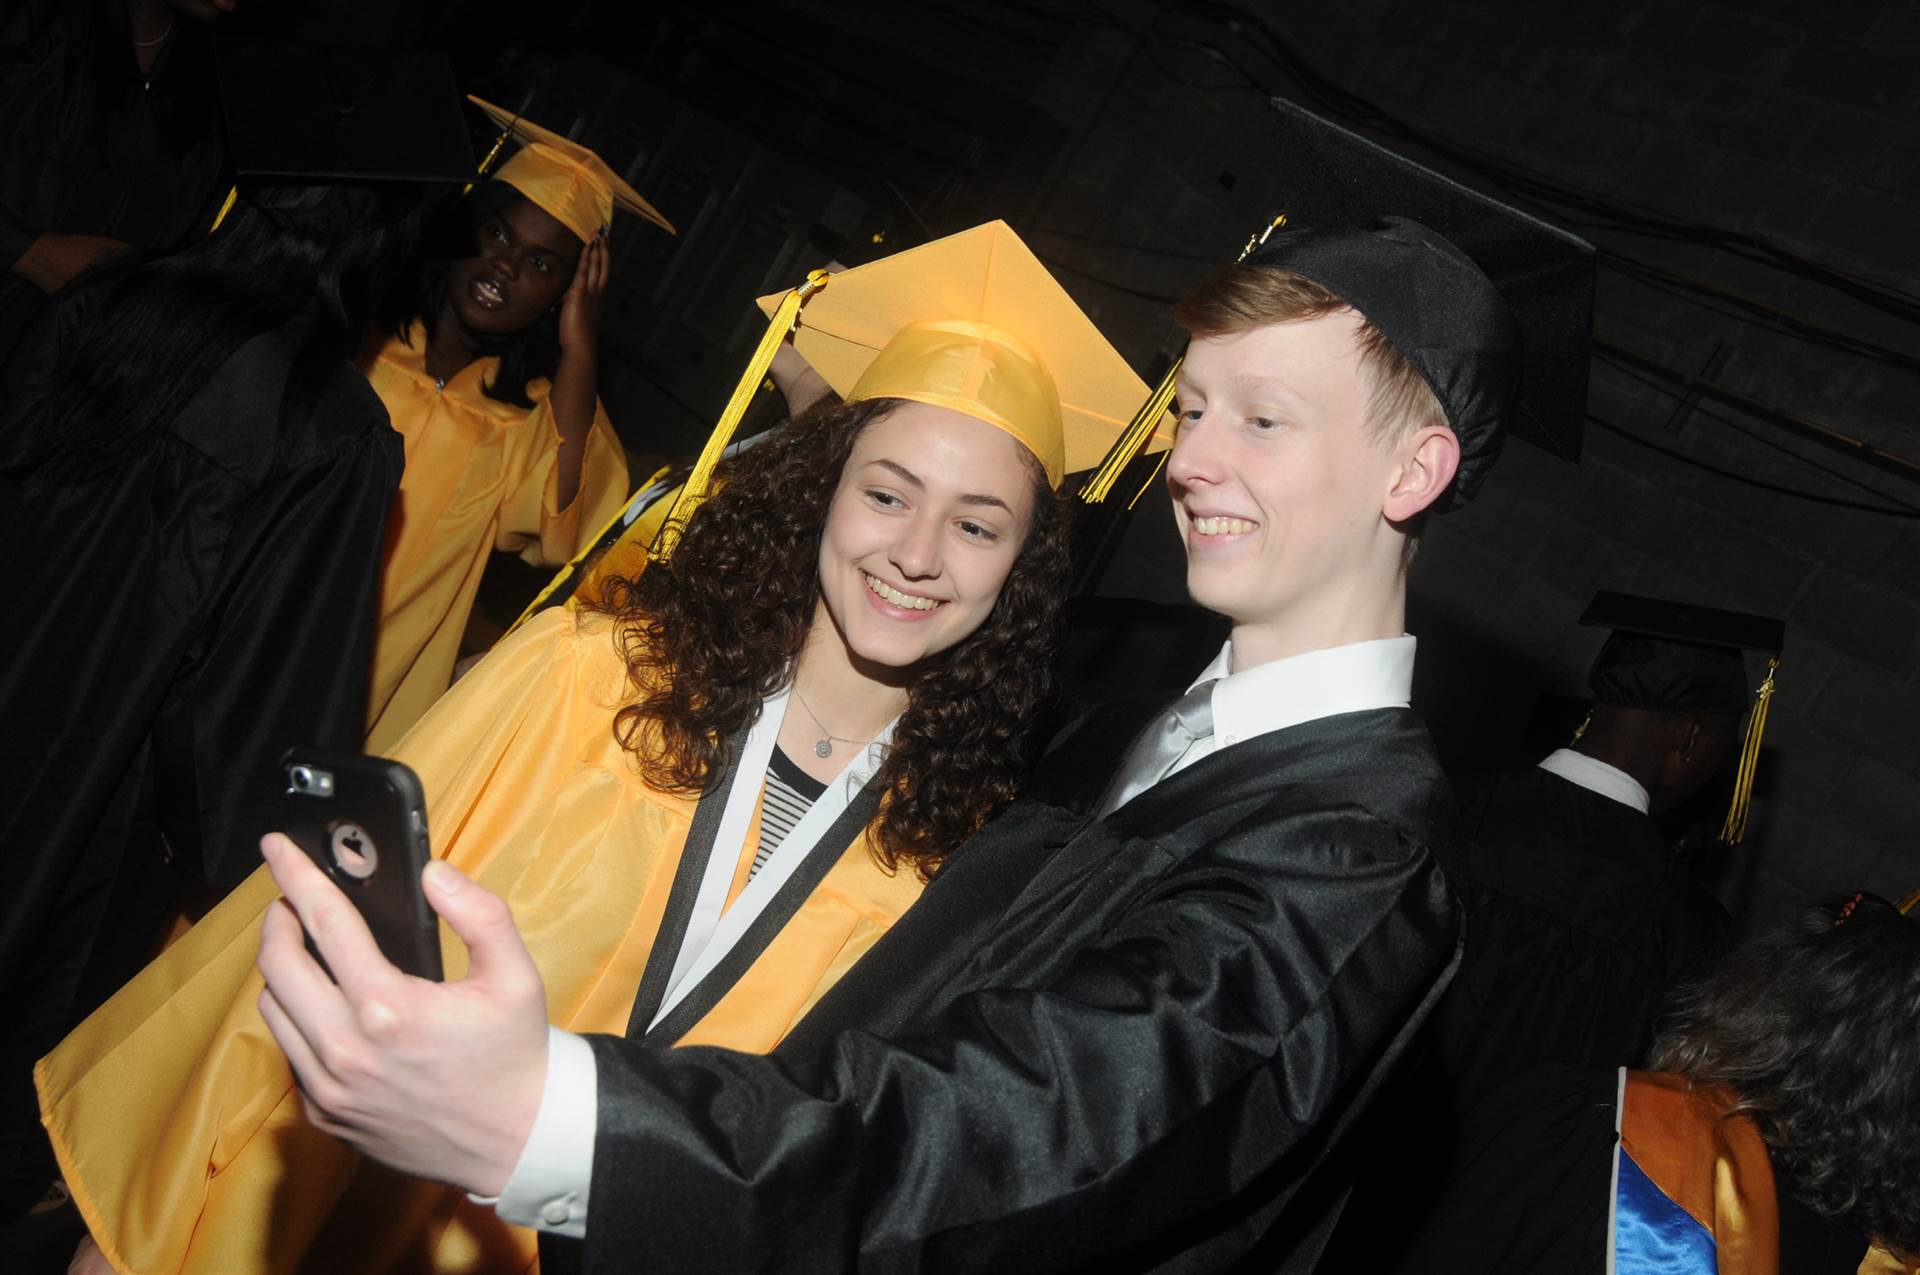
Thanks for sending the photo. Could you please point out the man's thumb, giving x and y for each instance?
(481, 919)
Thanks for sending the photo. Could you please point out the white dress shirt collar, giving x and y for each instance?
(1596, 776)
(1302, 688)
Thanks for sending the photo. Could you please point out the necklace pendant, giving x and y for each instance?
(823, 748)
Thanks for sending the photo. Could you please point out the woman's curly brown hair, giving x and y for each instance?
(1816, 1027)
(713, 631)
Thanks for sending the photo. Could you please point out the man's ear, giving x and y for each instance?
(1428, 461)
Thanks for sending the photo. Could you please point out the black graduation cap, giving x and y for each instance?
(302, 114)
(1675, 655)
(1686, 658)
(1481, 298)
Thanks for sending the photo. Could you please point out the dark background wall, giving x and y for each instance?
(1750, 173)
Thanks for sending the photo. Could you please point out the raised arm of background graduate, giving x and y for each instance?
(796, 380)
(574, 397)
(1172, 1074)
(283, 655)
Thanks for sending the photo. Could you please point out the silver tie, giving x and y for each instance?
(1164, 742)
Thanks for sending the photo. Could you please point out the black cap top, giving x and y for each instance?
(299, 114)
(1479, 296)
(1674, 655)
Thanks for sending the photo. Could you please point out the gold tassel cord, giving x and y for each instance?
(1736, 825)
(1907, 904)
(701, 478)
(1581, 729)
(226, 206)
(1146, 486)
(1139, 432)
(1131, 440)
(487, 163)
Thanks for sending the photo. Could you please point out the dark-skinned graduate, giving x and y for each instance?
(1581, 911)
(492, 378)
(193, 492)
(1127, 1026)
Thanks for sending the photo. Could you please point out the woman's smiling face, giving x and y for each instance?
(931, 512)
(524, 264)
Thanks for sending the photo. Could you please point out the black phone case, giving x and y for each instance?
(378, 801)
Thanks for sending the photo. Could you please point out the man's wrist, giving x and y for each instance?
(550, 1182)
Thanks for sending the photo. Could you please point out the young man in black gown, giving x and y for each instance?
(1132, 1019)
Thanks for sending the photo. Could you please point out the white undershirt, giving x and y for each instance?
(549, 1186)
(1596, 776)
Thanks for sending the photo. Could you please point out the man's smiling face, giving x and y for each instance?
(1277, 480)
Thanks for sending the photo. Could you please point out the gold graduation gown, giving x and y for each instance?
(480, 476)
(173, 1112)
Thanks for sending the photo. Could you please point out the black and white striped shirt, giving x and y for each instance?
(789, 794)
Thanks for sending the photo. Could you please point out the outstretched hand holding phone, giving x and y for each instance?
(440, 1080)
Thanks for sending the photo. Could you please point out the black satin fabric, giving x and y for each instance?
(1580, 917)
(88, 147)
(1117, 1044)
(172, 626)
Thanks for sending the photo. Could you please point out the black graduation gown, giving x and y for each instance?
(1527, 1189)
(90, 148)
(1579, 917)
(1116, 1043)
(172, 626)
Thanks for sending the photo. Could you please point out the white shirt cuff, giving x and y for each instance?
(549, 1185)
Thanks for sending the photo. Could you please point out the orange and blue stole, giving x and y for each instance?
(1692, 1185)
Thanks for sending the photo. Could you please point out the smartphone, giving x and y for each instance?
(363, 820)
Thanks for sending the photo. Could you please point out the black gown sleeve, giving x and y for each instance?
(1181, 1067)
(283, 656)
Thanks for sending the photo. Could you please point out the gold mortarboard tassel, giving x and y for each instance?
(1736, 825)
(1907, 904)
(695, 491)
(226, 206)
(1136, 435)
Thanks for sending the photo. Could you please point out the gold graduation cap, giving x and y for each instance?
(565, 178)
(971, 322)
(976, 323)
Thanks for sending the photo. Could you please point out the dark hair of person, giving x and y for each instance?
(1815, 1026)
(531, 354)
(716, 629)
(149, 330)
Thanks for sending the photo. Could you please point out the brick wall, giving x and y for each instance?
(1791, 121)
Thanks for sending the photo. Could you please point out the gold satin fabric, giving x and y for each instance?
(173, 1112)
(480, 476)
(978, 370)
(1714, 1166)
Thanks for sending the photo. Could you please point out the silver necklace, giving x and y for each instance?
(822, 747)
(158, 39)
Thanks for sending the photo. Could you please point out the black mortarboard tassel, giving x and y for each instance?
(1679, 657)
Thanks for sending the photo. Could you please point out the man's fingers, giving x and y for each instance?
(484, 923)
(307, 1067)
(331, 1025)
(331, 920)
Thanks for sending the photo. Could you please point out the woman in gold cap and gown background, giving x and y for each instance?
(491, 378)
(704, 798)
